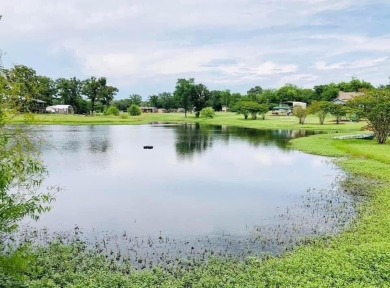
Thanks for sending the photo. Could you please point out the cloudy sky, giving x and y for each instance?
(144, 46)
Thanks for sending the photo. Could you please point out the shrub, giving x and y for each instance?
(134, 110)
(112, 110)
(207, 113)
(300, 113)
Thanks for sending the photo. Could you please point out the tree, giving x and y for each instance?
(254, 93)
(182, 94)
(250, 107)
(154, 101)
(375, 107)
(288, 92)
(107, 95)
(301, 113)
(92, 89)
(319, 108)
(199, 97)
(69, 93)
(21, 170)
(338, 111)
(135, 99)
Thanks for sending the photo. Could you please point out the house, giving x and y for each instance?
(37, 106)
(149, 110)
(344, 97)
(60, 109)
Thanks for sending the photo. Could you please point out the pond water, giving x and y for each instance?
(207, 187)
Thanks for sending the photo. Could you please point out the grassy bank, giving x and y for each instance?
(231, 119)
(359, 257)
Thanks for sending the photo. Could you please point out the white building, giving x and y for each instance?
(60, 109)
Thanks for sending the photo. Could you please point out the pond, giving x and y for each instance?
(201, 190)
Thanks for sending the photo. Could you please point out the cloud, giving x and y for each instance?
(139, 45)
(365, 63)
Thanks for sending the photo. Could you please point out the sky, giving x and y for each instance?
(144, 46)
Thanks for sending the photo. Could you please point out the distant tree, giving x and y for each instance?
(122, 104)
(199, 97)
(254, 93)
(288, 92)
(107, 94)
(327, 92)
(154, 101)
(183, 92)
(355, 85)
(301, 113)
(69, 93)
(249, 107)
(319, 108)
(374, 105)
(135, 99)
(92, 88)
(46, 89)
(338, 111)
(264, 108)
(167, 101)
(215, 100)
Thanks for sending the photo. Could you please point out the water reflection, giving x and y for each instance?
(194, 139)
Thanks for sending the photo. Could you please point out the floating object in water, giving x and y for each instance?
(148, 147)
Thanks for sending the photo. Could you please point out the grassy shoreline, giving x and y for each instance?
(359, 257)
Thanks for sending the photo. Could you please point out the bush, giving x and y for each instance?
(207, 113)
(300, 113)
(134, 110)
(112, 110)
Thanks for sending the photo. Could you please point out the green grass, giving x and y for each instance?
(231, 119)
(359, 257)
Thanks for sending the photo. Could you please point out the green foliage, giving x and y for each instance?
(134, 110)
(135, 99)
(301, 113)
(96, 90)
(375, 107)
(183, 92)
(124, 116)
(207, 113)
(250, 107)
(338, 111)
(319, 108)
(199, 97)
(112, 110)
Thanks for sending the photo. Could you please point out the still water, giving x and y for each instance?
(197, 181)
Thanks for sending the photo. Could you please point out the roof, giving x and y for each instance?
(346, 96)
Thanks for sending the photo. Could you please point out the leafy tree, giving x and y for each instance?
(327, 92)
(135, 99)
(375, 107)
(263, 110)
(154, 101)
(21, 170)
(107, 94)
(183, 92)
(355, 85)
(215, 100)
(69, 93)
(301, 113)
(319, 108)
(134, 110)
(254, 93)
(338, 111)
(167, 101)
(199, 97)
(92, 90)
(122, 104)
(249, 107)
(288, 92)
(46, 89)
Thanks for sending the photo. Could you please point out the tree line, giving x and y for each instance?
(95, 95)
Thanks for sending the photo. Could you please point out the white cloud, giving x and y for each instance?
(365, 63)
(139, 42)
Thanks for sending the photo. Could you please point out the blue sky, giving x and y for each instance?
(144, 46)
